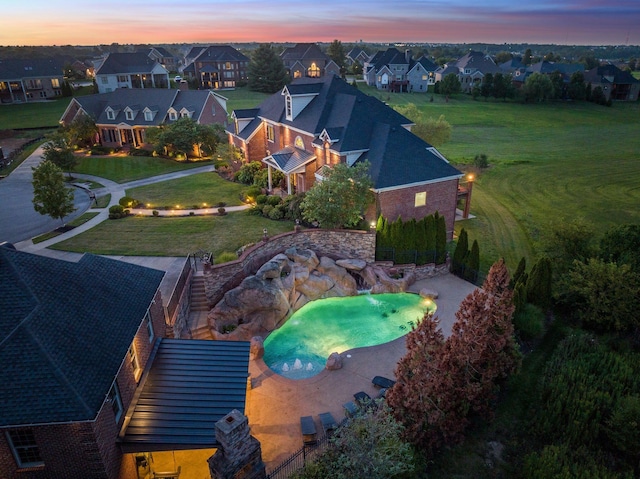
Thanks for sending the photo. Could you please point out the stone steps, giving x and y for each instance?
(198, 297)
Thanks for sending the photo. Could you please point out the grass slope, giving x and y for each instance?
(149, 236)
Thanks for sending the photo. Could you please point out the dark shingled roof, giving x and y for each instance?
(303, 51)
(609, 74)
(220, 53)
(121, 63)
(397, 156)
(156, 99)
(15, 69)
(191, 385)
(65, 330)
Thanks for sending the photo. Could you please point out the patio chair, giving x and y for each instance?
(350, 409)
(309, 433)
(382, 382)
(329, 424)
(362, 398)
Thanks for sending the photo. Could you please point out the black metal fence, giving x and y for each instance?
(299, 459)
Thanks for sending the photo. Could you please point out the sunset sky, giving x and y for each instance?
(89, 22)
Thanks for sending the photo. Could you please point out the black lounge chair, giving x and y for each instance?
(309, 433)
(329, 424)
(350, 409)
(362, 398)
(382, 382)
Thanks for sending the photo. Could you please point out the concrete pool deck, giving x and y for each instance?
(275, 404)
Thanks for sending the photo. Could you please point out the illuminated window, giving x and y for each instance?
(297, 74)
(116, 402)
(55, 83)
(424, 77)
(421, 199)
(135, 361)
(299, 143)
(313, 71)
(270, 133)
(227, 66)
(24, 447)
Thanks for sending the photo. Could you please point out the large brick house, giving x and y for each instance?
(75, 340)
(307, 60)
(217, 66)
(89, 384)
(616, 84)
(30, 79)
(470, 69)
(130, 70)
(123, 116)
(316, 123)
(397, 71)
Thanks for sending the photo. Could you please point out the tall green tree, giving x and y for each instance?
(266, 72)
(460, 253)
(441, 238)
(50, 194)
(472, 266)
(528, 57)
(81, 132)
(184, 136)
(487, 86)
(539, 283)
(450, 85)
(620, 245)
(435, 132)
(338, 54)
(340, 199)
(59, 152)
(537, 88)
(576, 88)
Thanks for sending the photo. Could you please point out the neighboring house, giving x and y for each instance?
(396, 71)
(89, 386)
(30, 80)
(130, 70)
(218, 66)
(163, 57)
(357, 55)
(470, 70)
(307, 60)
(616, 84)
(313, 124)
(123, 116)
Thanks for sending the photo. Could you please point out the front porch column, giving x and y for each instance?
(289, 185)
(269, 177)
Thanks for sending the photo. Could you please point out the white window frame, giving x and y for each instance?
(289, 107)
(116, 401)
(134, 359)
(271, 134)
(152, 333)
(173, 115)
(18, 449)
(128, 114)
(148, 115)
(111, 115)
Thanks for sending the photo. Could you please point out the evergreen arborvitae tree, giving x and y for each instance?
(460, 253)
(266, 71)
(472, 263)
(430, 229)
(421, 240)
(380, 231)
(519, 297)
(395, 234)
(520, 270)
(539, 284)
(441, 239)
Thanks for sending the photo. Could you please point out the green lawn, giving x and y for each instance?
(76, 222)
(242, 98)
(195, 190)
(149, 236)
(549, 163)
(32, 115)
(122, 169)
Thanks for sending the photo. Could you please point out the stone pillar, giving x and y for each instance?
(239, 455)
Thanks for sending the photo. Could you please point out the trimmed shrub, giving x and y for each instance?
(261, 199)
(155, 213)
(274, 200)
(266, 209)
(529, 322)
(140, 152)
(117, 212)
(222, 211)
(253, 192)
(481, 161)
(128, 202)
(225, 257)
(276, 213)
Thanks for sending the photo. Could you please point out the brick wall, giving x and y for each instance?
(208, 117)
(333, 243)
(441, 197)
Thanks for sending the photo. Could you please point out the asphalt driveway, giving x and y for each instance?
(18, 219)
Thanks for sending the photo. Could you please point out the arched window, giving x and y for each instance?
(313, 71)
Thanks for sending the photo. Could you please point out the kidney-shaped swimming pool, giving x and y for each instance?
(299, 348)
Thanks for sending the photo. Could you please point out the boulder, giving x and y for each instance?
(334, 362)
(352, 264)
(256, 348)
(428, 293)
(304, 257)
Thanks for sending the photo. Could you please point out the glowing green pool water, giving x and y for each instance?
(300, 348)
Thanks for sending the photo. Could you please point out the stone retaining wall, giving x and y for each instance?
(335, 244)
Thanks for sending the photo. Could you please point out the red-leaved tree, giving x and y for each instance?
(442, 383)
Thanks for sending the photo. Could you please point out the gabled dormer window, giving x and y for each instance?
(111, 115)
(128, 113)
(289, 107)
(148, 115)
(173, 115)
(184, 113)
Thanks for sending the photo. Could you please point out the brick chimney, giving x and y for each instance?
(183, 85)
(407, 55)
